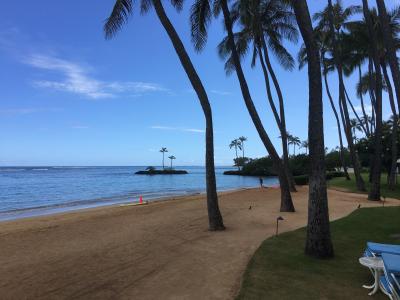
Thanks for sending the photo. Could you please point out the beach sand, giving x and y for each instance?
(157, 251)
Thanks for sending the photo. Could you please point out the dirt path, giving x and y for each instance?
(158, 251)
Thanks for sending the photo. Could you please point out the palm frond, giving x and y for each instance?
(200, 17)
(119, 16)
(177, 4)
(302, 56)
(280, 52)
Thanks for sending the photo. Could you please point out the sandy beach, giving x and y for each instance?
(157, 251)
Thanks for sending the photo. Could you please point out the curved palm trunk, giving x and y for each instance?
(282, 118)
(375, 191)
(390, 48)
(354, 111)
(286, 198)
(393, 165)
(214, 214)
(278, 119)
(347, 127)
(342, 160)
(318, 242)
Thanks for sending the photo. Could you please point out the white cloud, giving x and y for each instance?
(221, 93)
(184, 129)
(77, 80)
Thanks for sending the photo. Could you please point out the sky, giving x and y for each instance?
(70, 97)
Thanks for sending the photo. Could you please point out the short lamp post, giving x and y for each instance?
(277, 224)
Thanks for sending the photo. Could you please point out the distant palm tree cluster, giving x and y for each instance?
(337, 39)
(238, 144)
(295, 141)
(164, 150)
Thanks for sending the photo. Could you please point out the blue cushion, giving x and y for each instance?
(391, 263)
(378, 249)
(396, 283)
(368, 253)
(385, 284)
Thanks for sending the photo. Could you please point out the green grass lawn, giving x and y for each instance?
(280, 270)
(350, 185)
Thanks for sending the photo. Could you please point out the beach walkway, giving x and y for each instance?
(157, 251)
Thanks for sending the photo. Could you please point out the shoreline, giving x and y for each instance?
(161, 250)
(38, 212)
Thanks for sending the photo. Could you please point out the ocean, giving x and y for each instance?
(33, 191)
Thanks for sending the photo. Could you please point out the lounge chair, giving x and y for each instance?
(389, 282)
(376, 249)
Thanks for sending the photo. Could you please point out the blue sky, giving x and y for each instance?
(69, 97)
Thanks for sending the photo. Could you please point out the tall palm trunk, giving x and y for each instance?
(286, 198)
(163, 165)
(214, 214)
(375, 191)
(393, 165)
(237, 158)
(347, 127)
(278, 119)
(342, 160)
(363, 106)
(318, 243)
(371, 89)
(282, 117)
(390, 48)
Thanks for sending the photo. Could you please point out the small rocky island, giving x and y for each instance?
(164, 171)
(161, 172)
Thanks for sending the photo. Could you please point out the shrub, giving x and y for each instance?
(336, 174)
(299, 164)
(259, 167)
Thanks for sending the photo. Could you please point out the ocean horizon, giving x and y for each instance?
(27, 191)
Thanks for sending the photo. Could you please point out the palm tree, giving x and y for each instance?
(355, 126)
(322, 39)
(393, 167)
(265, 24)
(171, 158)
(376, 165)
(304, 144)
(200, 18)
(295, 141)
(332, 20)
(119, 16)
(360, 39)
(390, 46)
(318, 241)
(242, 139)
(236, 144)
(163, 151)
